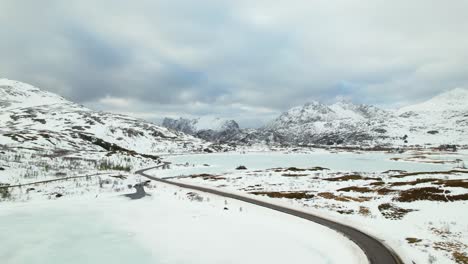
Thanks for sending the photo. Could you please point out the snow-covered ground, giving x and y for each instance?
(169, 226)
(379, 193)
(344, 161)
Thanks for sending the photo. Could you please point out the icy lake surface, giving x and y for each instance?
(163, 228)
(47, 234)
(365, 162)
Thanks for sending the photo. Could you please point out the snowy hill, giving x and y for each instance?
(208, 128)
(440, 120)
(34, 118)
(455, 100)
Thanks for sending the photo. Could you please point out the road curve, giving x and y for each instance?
(375, 250)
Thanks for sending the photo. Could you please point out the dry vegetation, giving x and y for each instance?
(457, 250)
(288, 195)
(413, 240)
(294, 169)
(205, 177)
(342, 198)
(294, 175)
(364, 211)
(393, 212)
(356, 189)
(352, 177)
(449, 172)
(429, 194)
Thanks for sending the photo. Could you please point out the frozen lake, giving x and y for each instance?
(54, 232)
(226, 162)
(164, 228)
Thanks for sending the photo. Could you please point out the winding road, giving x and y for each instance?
(375, 250)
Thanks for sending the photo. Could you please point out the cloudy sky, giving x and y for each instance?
(242, 59)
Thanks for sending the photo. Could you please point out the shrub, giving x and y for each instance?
(4, 191)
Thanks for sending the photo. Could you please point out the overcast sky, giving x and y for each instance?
(242, 59)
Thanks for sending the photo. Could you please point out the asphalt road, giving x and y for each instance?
(375, 250)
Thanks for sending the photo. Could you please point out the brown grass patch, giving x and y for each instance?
(331, 196)
(349, 211)
(288, 195)
(294, 169)
(351, 177)
(430, 172)
(364, 211)
(345, 178)
(413, 240)
(393, 212)
(463, 183)
(342, 198)
(318, 168)
(356, 189)
(460, 257)
(457, 249)
(298, 169)
(385, 191)
(417, 181)
(294, 175)
(429, 194)
(205, 177)
(380, 191)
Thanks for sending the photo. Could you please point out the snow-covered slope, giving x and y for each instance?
(208, 128)
(455, 100)
(440, 120)
(34, 118)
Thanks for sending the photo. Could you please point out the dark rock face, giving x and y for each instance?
(223, 131)
(181, 124)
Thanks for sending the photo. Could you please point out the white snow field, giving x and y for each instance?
(363, 190)
(170, 226)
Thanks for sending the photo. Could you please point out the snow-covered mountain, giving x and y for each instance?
(440, 120)
(318, 123)
(33, 118)
(207, 128)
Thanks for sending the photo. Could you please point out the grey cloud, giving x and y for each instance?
(210, 57)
